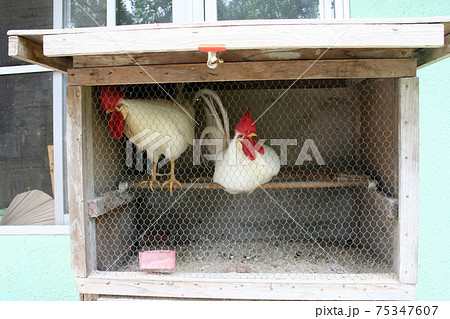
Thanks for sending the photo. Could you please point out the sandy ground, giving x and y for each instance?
(262, 256)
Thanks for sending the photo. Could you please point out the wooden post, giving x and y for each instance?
(80, 179)
(405, 258)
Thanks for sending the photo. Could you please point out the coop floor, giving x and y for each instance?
(276, 256)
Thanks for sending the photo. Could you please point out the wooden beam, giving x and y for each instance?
(108, 202)
(406, 252)
(243, 71)
(237, 56)
(79, 173)
(426, 57)
(28, 51)
(239, 37)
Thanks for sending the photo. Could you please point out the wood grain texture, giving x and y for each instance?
(243, 71)
(78, 102)
(28, 51)
(429, 56)
(406, 254)
(347, 287)
(262, 36)
(108, 202)
(237, 56)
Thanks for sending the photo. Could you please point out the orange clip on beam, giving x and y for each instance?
(212, 47)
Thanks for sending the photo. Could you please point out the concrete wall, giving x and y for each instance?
(36, 267)
(434, 207)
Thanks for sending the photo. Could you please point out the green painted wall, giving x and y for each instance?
(36, 267)
(434, 224)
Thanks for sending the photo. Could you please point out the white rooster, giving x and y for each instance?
(158, 126)
(242, 164)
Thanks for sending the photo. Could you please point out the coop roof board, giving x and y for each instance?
(426, 39)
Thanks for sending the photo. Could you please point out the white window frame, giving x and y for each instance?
(190, 11)
(59, 129)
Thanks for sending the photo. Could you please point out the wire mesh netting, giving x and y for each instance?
(313, 193)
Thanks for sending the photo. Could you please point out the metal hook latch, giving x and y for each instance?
(212, 49)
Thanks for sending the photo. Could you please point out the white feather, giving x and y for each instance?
(233, 169)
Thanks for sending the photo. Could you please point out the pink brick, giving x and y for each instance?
(157, 260)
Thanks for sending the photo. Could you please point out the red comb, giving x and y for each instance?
(110, 97)
(246, 125)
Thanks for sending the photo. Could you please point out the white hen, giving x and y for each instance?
(158, 126)
(242, 164)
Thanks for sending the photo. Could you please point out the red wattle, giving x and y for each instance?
(258, 146)
(116, 124)
(248, 149)
(249, 145)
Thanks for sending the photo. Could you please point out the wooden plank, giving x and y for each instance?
(242, 71)
(88, 297)
(350, 287)
(262, 36)
(426, 57)
(237, 56)
(51, 165)
(268, 22)
(28, 51)
(108, 202)
(78, 102)
(406, 254)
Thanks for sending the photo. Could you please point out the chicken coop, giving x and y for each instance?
(337, 102)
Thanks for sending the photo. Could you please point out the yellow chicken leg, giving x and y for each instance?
(172, 179)
(153, 178)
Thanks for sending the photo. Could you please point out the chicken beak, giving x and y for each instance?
(251, 135)
(120, 108)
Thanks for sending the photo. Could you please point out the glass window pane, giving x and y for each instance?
(19, 15)
(85, 13)
(26, 128)
(267, 9)
(143, 11)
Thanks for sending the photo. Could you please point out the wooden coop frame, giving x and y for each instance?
(256, 50)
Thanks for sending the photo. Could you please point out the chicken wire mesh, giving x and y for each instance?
(330, 208)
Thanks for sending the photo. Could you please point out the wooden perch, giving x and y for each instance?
(284, 181)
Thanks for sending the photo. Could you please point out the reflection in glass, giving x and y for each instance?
(143, 11)
(85, 13)
(267, 9)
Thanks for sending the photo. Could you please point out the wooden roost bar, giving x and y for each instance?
(351, 52)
